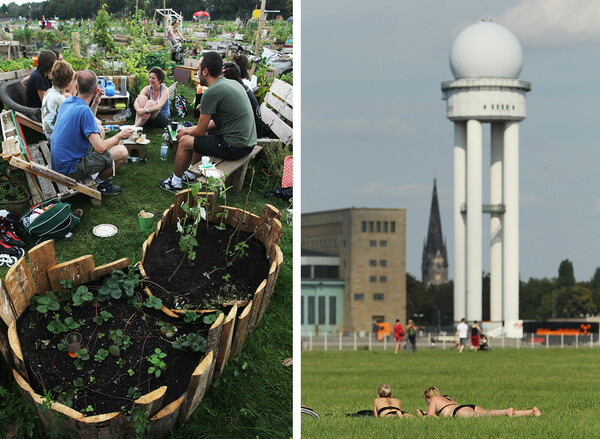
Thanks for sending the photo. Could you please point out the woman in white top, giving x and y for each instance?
(63, 77)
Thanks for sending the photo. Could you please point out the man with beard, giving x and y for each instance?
(232, 132)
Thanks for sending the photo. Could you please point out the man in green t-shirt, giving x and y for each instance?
(225, 128)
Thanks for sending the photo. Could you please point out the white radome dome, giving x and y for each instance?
(486, 50)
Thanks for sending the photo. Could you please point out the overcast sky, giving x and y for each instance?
(375, 132)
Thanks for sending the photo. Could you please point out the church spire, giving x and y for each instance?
(435, 259)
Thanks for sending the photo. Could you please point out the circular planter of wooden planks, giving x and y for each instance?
(225, 339)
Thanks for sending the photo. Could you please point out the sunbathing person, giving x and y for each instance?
(439, 405)
(385, 405)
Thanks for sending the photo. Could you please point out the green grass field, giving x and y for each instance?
(563, 383)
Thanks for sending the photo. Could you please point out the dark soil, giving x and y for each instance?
(201, 283)
(107, 385)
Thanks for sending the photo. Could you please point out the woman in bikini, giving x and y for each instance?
(385, 406)
(439, 405)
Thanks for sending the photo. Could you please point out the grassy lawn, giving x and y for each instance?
(253, 397)
(561, 382)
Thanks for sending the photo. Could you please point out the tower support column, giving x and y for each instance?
(511, 221)
(474, 219)
(496, 221)
(460, 227)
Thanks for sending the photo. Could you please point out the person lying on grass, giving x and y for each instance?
(386, 406)
(439, 405)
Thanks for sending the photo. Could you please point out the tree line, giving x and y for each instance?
(539, 299)
(83, 9)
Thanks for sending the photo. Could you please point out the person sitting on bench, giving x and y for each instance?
(226, 103)
(78, 150)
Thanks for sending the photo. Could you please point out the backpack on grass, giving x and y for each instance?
(180, 104)
(50, 219)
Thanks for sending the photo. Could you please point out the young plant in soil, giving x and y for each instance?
(118, 328)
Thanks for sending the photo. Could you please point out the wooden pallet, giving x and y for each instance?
(277, 111)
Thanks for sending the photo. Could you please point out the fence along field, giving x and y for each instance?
(563, 383)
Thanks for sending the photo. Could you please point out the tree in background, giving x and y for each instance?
(566, 276)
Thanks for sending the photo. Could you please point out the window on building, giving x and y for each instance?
(383, 262)
(393, 227)
(378, 226)
(327, 272)
(359, 296)
(311, 311)
(372, 279)
(378, 319)
(382, 278)
(373, 243)
(373, 263)
(305, 271)
(382, 243)
(321, 317)
(370, 226)
(302, 310)
(332, 310)
(385, 227)
(363, 226)
(378, 297)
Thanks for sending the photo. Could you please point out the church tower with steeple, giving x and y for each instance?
(435, 259)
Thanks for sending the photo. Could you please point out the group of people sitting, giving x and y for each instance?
(226, 128)
(385, 405)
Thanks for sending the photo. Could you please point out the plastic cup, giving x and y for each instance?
(146, 219)
(73, 340)
(205, 160)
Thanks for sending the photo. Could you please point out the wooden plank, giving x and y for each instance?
(105, 269)
(279, 107)
(256, 300)
(20, 286)
(29, 122)
(47, 161)
(6, 356)
(41, 258)
(11, 148)
(212, 341)
(199, 382)
(17, 353)
(271, 281)
(282, 130)
(283, 90)
(225, 342)
(48, 187)
(42, 171)
(150, 403)
(7, 309)
(274, 234)
(58, 417)
(164, 421)
(107, 426)
(241, 330)
(77, 271)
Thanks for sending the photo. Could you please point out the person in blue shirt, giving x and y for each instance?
(78, 150)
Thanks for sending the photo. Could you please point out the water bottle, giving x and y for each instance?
(164, 147)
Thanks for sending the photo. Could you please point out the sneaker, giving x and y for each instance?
(188, 179)
(107, 188)
(168, 186)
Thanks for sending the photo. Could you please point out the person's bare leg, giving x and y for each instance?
(185, 152)
(139, 120)
(505, 412)
(533, 412)
(397, 346)
(119, 155)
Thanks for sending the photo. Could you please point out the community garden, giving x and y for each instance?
(137, 335)
(558, 381)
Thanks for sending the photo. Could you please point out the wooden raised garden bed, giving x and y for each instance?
(224, 334)
(261, 232)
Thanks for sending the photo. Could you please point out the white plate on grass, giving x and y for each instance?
(104, 230)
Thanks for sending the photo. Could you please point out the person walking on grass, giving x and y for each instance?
(462, 332)
(438, 405)
(411, 339)
(398, 334)
(475, 333)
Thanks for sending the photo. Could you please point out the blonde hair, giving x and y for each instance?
(384, 391)
(62, 74)
(431, 392)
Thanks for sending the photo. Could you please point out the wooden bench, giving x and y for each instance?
(43, 182)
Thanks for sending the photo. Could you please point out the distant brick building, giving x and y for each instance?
(371, 245)
(434, 267)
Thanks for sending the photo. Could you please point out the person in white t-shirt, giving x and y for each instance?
(462, 331)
